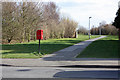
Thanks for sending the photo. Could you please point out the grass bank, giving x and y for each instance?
(103, 48)
(29, 50)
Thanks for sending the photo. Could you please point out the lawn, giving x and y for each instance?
(103, 48)
(30, 50)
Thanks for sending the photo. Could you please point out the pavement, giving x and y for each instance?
(40, 63)
(62, 64)
(69, 53)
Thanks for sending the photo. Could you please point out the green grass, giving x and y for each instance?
(103, 48)
(29, 50)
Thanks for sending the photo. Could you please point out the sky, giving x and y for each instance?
(81, 10)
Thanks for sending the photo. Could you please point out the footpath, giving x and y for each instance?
(63, 57)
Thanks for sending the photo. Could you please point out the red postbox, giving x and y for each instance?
(39, 34)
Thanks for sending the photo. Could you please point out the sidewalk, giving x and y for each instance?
(63, 57)
(69, 53)
(40, 63)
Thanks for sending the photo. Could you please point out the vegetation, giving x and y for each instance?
(103, 48)
(116, 22)
(21, 20)
(30, 50)
(82, 30)
(104, 29)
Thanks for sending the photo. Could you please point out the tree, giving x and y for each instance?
(9, 24)
(116, 22)
(82, 30)
(51, 20)
(28, 16)
(20, 20)
(107, 29)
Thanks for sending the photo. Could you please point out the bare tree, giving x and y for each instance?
(9, 24)
(106, 29)
(22, 19)
(82, 30)
(51, 19)
(70, 28)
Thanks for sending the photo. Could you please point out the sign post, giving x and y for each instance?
(39, 36)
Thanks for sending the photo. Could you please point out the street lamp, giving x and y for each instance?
(89, 27)
(100, 28)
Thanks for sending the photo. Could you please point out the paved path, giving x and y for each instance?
(69, 53)
(40, 63)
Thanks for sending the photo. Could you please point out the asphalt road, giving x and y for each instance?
(59, 72)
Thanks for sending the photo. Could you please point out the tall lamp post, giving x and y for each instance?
(100, 28)
(89, 27)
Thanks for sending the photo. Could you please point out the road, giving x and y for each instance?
(59, 72)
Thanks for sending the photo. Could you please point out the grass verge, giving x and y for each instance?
(30, 50)
(103, 48)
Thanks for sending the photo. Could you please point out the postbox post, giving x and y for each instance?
(39, 46)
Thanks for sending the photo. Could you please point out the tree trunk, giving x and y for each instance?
(9, 40)
(35, 35)
(23, 38)
(29, 37)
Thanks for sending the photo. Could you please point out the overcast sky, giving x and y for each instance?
(81, 10)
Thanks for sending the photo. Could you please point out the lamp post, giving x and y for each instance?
(100, 29)
(89, 27)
